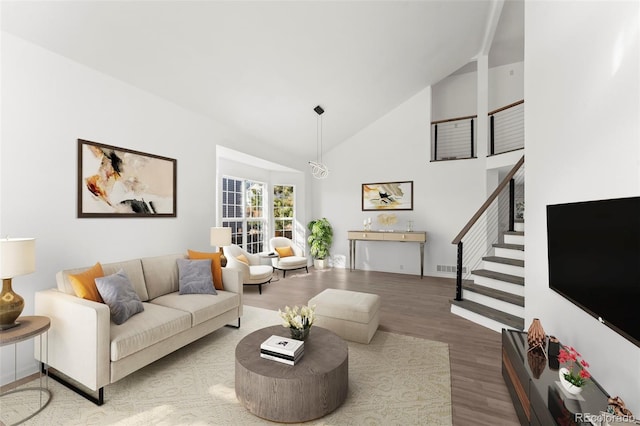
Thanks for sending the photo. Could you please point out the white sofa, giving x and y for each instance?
(87, 347)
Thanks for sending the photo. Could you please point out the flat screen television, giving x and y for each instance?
(594, 260)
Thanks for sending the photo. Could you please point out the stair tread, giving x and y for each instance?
(520, 233)
(494, 314)
(513, 279)
(504, 260)
(504, 296)
(510, 246)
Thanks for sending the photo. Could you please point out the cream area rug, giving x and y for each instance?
(395, 380)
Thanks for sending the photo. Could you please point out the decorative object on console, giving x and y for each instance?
(537, 362)
(567, 385)
(118, 182)
(536, 337)
(367, 224)
(387, 196)
(298, 320)
(387, 220)
(319, 170)
(570, 380)
(220, 237)
(17, 257)
(554, 350)
(320, 240)
(616, 407)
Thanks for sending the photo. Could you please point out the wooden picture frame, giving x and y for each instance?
(118, 182)
(387, 196)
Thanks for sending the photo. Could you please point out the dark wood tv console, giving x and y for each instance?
(531, 379)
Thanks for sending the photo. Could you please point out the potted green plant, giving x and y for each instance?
(320, 239)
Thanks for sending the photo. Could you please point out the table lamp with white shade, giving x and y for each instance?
(220, 237)
(17, 257)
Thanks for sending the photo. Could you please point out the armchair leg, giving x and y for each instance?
(260, 288)
(284, 273)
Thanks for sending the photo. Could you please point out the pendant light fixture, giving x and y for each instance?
(318, 169)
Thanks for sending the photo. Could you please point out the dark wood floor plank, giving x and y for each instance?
(420, 308)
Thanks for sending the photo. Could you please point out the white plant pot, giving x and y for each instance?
(572, 389)
(320, 263)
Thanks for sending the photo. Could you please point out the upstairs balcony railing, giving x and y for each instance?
(455, 138)
(506, 128)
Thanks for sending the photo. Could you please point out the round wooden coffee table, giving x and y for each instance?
(312, 388)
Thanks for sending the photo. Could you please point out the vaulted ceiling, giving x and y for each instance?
(262, 66)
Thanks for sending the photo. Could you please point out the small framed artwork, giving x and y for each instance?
(387, 196)
(119, 182)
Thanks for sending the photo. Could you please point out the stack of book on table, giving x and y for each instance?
(282, 349)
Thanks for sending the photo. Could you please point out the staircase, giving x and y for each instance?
(494, 296)
(490, 261)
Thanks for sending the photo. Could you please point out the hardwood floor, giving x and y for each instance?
(416, 307)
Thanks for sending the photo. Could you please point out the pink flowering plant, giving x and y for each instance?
(569, 355)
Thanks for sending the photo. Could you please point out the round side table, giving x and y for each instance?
(269, 256)
(30, 327)
(315, 386)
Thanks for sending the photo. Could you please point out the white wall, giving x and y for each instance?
(506, 85)
(48, 102)
(455, 96)
(396, 148)
(583, 143)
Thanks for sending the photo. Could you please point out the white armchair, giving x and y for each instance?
(295, 260)
(253, 272)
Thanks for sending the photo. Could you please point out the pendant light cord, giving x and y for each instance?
(319, 136)
(318, 169)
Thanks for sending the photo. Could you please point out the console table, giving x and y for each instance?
(419, 237)
(538, 399)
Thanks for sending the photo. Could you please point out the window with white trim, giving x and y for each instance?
(283, 210)
(243, 212)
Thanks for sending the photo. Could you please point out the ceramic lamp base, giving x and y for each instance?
(11, 306)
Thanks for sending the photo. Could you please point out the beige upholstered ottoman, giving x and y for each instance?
(350, 314)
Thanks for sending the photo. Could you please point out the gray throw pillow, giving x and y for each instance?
(118, 293)
(195, 276)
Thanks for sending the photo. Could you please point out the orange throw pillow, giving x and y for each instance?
(284, 251)
(84, 283)
(216, 266)
(242, 258)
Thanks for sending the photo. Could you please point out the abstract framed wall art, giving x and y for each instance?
(387, 196)
(118, 182)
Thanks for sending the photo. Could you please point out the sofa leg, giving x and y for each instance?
(99, 400)
(307, 268)
(234, 326)
(284, 273)
(260, 288)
